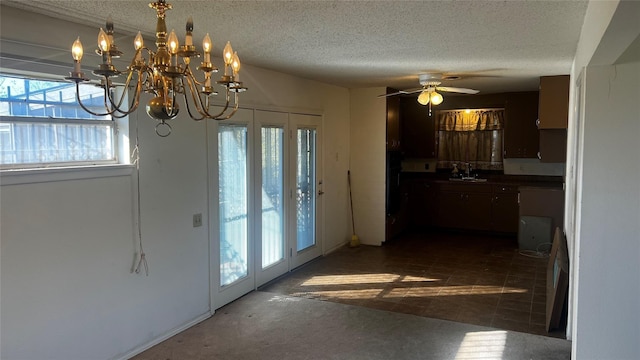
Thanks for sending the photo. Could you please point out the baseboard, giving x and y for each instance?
(165, 336)
(337, 247)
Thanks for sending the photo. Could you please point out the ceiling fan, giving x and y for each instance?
(430, 86)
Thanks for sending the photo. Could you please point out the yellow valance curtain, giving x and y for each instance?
(470, 120)
(470, 137)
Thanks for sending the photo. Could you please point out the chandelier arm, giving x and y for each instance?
(118, 106)
(170, 110)
(135, 101)
(203, 106)
(189, 74)
(196, 98)
(108, 113)
(226, 106)
(139, 84)
(233, 112)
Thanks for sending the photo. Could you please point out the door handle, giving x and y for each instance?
(320, 192)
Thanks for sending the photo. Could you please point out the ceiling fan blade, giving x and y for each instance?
(457, 90)
(392, 94)
(402, 92)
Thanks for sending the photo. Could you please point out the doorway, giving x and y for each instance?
(265, 199)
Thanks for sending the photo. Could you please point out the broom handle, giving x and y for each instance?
(353, 225)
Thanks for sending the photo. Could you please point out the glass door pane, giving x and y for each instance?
(272, 193)
(233, 202)
(306, 188)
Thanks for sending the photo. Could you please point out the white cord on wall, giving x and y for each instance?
(135, 159)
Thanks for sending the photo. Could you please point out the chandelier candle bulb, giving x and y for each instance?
(103, 41)
(76, 50)
(206, 47)
(173, 48)
(76, 53)
(138, 43)
(235, 65)
(227, 54)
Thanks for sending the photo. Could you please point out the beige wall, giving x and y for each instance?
(368, 163)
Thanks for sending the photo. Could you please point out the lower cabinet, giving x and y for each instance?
(423, 203)
(397, 222)
(465, 206)
(504, 209)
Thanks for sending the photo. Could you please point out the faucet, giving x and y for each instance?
(469, 169)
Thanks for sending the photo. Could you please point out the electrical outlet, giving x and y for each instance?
(197, 220)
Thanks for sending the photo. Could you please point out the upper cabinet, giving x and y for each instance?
(418, 129)
(553, 110)
(521, 132)
(393, 121)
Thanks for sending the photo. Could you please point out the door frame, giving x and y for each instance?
(220, 296)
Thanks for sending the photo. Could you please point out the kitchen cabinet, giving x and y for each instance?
(393, 121)
(465, 206)
(553, 107)
(544, 202)
(418, 129)
(521, 131)
(398, 221)
(423, 203)
(504, 208)
(553, 146)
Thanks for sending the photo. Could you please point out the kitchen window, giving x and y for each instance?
(42, 125)
(472, 137)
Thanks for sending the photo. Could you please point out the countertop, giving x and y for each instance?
(537, 181)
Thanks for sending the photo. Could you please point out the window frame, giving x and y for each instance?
(119, 134)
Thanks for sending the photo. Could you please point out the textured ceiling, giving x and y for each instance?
(495, 45)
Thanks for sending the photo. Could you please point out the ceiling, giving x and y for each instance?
(495, 46)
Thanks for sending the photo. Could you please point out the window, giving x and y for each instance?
(42, 125)
(470, 136)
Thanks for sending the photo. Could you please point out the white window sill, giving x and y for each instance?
(41, 175)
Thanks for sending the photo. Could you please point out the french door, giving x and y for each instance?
(230, 176)
(307, 189)
(265, 199)
(271, 198)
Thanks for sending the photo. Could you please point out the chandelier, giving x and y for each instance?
(161, 74)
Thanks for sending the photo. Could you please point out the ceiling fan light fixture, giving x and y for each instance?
(436, 98)
(424, 97)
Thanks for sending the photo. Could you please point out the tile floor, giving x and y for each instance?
(474, 279)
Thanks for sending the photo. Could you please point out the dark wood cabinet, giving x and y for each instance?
(423, 203)
(464, 206)
(521, 132)
(393, 121)
(418, 129)
(397, 222)
(504, 209)
(553, 145)
(553, 107)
